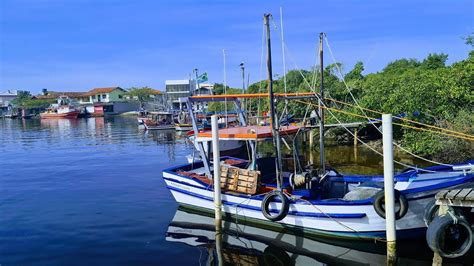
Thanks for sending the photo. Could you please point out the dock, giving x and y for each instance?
(453, 206)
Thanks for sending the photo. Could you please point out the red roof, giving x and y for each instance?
(156, 92)
(102, 90)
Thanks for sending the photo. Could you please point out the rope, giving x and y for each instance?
(404, 119)
(285, 111)
(357, 104)
(398, 124)
(365, 144)
(335, 220)
(225, 89)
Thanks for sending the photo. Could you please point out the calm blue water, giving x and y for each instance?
(89, 192)
(86, 191)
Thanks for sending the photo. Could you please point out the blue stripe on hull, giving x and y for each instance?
(294, 213)
(401, 233)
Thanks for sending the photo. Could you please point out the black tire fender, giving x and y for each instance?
(379, 202)
(285, 206)
(431, 210)
(449, 238)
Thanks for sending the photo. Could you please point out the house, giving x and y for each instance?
(103, 95)
(204, 89)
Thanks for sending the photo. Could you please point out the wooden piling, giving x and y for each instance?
(356, 130)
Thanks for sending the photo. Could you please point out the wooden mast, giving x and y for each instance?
(321, 109)
(273, 115)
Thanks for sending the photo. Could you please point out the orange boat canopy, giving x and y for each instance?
(249, 132)
(251, 95)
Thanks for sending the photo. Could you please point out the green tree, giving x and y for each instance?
(141, 94)
(434, 61)
(24, 99)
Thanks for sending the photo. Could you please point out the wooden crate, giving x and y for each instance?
(239, 180)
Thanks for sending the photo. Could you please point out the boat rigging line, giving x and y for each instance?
(358, 105)
(312, 88)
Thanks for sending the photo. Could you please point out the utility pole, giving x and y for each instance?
(197, 80)
(242, 67)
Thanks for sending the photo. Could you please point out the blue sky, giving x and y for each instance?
(76, 45)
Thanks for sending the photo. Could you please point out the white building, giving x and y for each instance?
(6, 97)
(176, 89)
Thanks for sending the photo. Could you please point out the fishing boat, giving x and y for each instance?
(317, 199)
(159, 121)
(64, 108)
(142, 116)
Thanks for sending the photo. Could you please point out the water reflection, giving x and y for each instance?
(251, 244)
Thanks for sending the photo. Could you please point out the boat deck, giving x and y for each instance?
(249, 132)
(456, 197)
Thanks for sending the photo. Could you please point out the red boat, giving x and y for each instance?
(68, 115)
(62, 109)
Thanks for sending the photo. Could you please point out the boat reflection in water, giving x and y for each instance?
(242, 243)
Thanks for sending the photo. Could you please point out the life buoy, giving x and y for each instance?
(449, 236)
(379, 203)
(285, 206)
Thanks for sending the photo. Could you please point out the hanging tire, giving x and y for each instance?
(379, 202)
(449, 239)
(285, 206)
(431, 211)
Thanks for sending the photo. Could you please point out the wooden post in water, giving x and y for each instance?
(217, 168)
(218, 239)
(356, 130)
(389, 189)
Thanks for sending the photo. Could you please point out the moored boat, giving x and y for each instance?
(62, 109)
(159, 121)
(317, 199)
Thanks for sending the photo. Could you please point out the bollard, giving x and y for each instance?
(217, 167)
(389, 189)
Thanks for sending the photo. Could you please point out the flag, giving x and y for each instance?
(202, 78)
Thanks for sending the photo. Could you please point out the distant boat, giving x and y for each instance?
(62, 109)
(12, 116)
(159, 121)
(142, 116)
